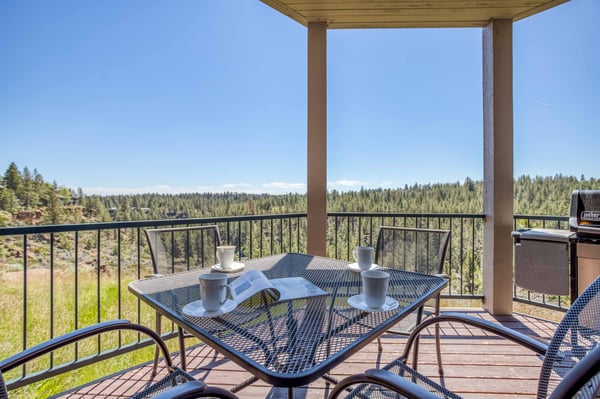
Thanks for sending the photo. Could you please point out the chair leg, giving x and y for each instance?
(181, 337)
(438, 348)
(416, 343)
(379, 345)
(156, 350)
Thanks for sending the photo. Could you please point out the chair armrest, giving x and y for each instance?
(399, 384)
(495, 328)
(77, 335)
(385, 379)
(190, 389)
(194, 389)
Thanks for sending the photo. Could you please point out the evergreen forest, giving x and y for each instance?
(26, 198)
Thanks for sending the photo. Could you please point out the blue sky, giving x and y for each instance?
(121, 96)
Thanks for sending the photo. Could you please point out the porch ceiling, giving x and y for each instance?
(355, 14)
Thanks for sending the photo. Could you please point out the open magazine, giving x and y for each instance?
(280, 289)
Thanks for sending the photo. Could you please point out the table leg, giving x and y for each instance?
(244, 384)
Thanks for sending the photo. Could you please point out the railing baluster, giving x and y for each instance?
(98, 261)
(238, 238)
(51, 316)
(261, 237)
(25, 298)
(473, 244)
(271, 239)
(76, 295)
(119, 313)
(336, 223)
(280, 239)
(139, 274)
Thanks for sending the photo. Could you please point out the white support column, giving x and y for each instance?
(317, 139)
(498, 184)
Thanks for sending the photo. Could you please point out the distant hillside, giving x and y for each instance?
(26, 199)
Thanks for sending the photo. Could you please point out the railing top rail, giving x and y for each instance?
(402, 214)
(59, 228)
(7, 231)
(541, 217)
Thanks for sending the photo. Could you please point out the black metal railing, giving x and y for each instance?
(62, 277)
(541, 222)
(463, 258)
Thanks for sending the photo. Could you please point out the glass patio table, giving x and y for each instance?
(290, 343)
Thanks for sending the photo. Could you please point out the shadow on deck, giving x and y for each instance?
(476, 364)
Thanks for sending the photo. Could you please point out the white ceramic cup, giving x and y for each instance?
(375, 284)
(225, 255)
(213, 290)
(364, 257)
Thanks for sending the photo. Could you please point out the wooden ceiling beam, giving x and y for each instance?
(354, 14)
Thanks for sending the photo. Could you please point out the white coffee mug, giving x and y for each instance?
(375, 283)
(364, 257)
(213, 290)
(225, 255)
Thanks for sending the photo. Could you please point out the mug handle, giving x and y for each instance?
(231, 293)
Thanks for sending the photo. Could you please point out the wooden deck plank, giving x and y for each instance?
(476, 364)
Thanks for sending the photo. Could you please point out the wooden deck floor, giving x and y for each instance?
(476, 365)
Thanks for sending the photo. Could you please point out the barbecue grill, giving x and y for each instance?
(585, 213)
(584, 222)
(561, 262)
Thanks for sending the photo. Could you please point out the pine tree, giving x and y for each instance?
(29, 196)
(124, 209)
(13, 179)
(9, 201)
(54, 211)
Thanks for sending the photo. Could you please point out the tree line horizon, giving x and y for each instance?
(26, 198)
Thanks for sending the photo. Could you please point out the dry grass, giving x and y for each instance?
(57, 303)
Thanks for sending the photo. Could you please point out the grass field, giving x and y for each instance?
(57, 303)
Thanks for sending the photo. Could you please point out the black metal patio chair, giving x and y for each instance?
(570, 368)
(178, 249)
(416, 250)
(176, 384)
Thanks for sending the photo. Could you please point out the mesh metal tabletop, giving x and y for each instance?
(290, 343)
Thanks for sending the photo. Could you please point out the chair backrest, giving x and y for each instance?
(183, 248)
(583, 381)
(577, 335)
(412, 249)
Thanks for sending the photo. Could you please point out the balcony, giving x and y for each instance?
(78, 274)
(59, 278)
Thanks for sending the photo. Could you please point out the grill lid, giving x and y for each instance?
(585, 212)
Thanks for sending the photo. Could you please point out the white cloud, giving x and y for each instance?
(345, 184)
(158, 189)
(295, 187)
(266, 188)
(240, 187)
(237, 186)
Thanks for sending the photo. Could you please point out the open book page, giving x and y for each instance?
(254, 281)
(296, 288)
(251, 283)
